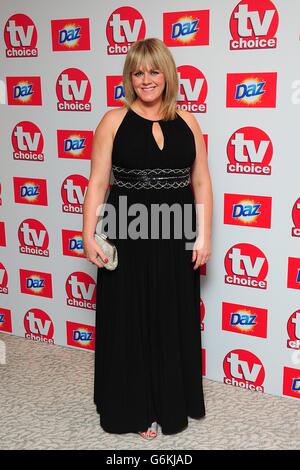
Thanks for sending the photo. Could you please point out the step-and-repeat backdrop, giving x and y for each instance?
(238, 67)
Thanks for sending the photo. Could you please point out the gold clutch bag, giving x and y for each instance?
(109, 249)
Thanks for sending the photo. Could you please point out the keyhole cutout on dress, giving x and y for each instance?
(158, 135)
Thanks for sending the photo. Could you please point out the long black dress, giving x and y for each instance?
(148, 338)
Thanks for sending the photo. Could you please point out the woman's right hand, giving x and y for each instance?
(91, 250)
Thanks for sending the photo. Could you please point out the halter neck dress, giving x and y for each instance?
(148, 357)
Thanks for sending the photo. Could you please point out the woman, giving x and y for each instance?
(148, 367)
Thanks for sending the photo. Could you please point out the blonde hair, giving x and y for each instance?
(155, 54)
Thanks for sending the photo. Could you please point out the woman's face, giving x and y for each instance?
(148, 83)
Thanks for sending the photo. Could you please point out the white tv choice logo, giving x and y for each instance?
(33, 238)
(73, 90)
(243, 369)
(246, 265)
(73, 191)
(293, 329)
(253, 25)
(81, 291)
(249, 151)
(124, 27)
(38, 326)
(192, 89)
(28, 142)
(20, 37)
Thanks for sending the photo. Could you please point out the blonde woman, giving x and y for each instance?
(148, 369)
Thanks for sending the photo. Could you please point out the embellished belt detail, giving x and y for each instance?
(146, 178)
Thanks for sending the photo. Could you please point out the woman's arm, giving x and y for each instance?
(203, 194)
(100, 169)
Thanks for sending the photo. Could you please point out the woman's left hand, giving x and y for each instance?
(201, 252)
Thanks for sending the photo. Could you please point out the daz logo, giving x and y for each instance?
(246, 265)
(251, 321)
(192, 89)
(296, 219)
(249, 151)
(256, 90)
(28, 142)
(243, 369)
(38, 326)
(20, 36)
(73, 91)
(33, 238)
(293, 275)
(24, 91)
(5, 320)
(74, 144)
(291, 382)
(30, 191)
(124, 27)
(293, 329)
(81, 336)
(71, 35)
(72, 243)
(36, 283)
(81, 291)
(186, 28)
(247, 210)
(253, 25)
(115, 90)
(73, 192)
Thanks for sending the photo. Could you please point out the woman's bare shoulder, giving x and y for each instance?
(112, 118)
(190, 119)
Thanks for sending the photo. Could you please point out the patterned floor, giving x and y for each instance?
(46, 403)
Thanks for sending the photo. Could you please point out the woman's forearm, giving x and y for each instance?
(203, 197)
(95, 197)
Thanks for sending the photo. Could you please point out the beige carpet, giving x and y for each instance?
(47, 403)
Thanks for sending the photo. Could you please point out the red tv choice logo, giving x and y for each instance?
(124, 27)
(72, 243)
(30, 191)
(20, 36)
(71, 34)
(249, 151)
(28, 142)
(192, 89)
(243, 369)
(81, 291)
(186, 28)
(293, 329)
(202, 314)
(253, 25)
(73, 91)
(291, 382)
(296, 219)
(24, 91)
(36, 283)
(247, 210)
(73, 190)
(33, 238)
(293, 273)
(5, 320)
(246, 265)
(3, 279)
(80, 336)
(244, 319)
(251, 90)
(38, 326)
(74, 144)
(115, 90)
(2, 234)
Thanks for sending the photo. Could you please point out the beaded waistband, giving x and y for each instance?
(146, 178)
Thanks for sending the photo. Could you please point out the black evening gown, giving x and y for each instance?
(148, 363)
